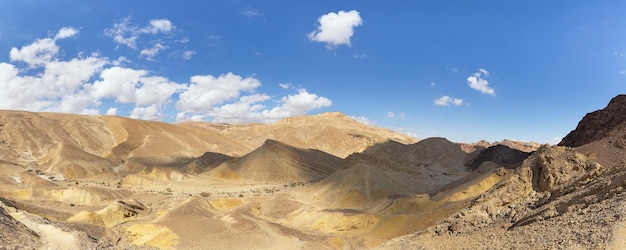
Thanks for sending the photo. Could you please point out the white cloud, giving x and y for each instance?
(38, 53)
(134, 86)
(301, 103)
(284, 85)
(66, 32)
(251, 13)
(188, 54)
(120, 60)
(246, 109)
(411, 134)
(477, 82)
(433, 84)
(111, 111)
(360, 56)
(406, 132)
(58, 85)
(124, 33)
(336, 29)
(250, 108)
(446, 100)
(89, 84)
(90, 112)
(391, 115)
(159, 26)
(204, 92)
(152, 112)
(151, 52)
(364, 120)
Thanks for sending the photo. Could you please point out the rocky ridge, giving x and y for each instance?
(567, 197)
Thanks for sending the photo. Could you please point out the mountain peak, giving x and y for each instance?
(598, 124)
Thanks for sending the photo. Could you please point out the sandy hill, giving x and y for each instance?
(205, 162)
(333, 133)
(602, 134)
(275, 161)
(79, 146)
(433, 161)
(363, 182)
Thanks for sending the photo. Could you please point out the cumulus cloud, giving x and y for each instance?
(152, 112)
(159, 26)
(478, 82)
(250, 108)
(66, 32)
(204, 92)
(41, 51)
(391, 115)
(336, 29)
(446, 100)
(127, 85)
(301, 103)
(111, 111)
(284, 85)
(92, 84)
(57, 86)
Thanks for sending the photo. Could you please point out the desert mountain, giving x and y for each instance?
(602, 134)
(499, 154)
(310, 182)
(275, 161)
(517, 145)
(72, 144)
(333, 133)
(558, 197)
(432, 161)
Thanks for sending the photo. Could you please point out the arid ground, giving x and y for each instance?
(311, 182)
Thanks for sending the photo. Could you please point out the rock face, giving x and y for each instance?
(569, 196)
(598, 124)
(527, 147)
(14, 234)
(499, 154)
(601, 134)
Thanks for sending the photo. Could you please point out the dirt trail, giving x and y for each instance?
(52, 237)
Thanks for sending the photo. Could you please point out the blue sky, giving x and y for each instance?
(465, 70)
